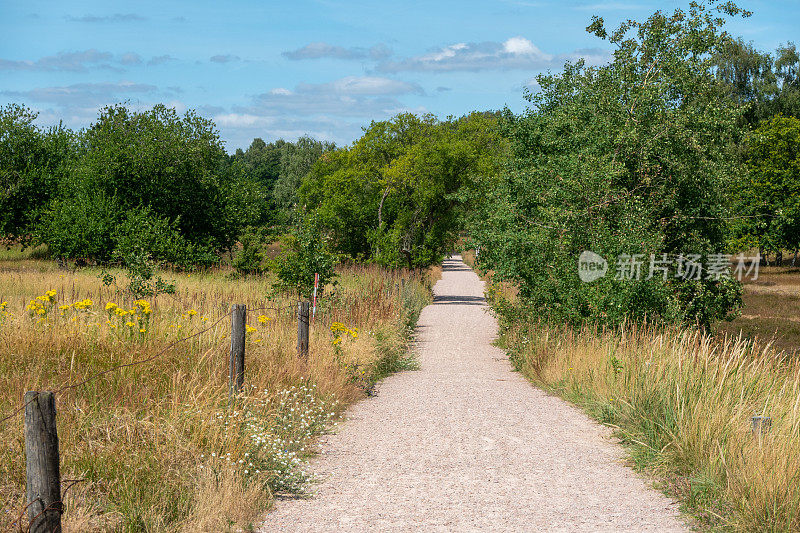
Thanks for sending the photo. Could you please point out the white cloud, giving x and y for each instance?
(368, 85)
(354, 96)
(333, 111)
(84, 94)
(321, 50)
(522, 46)
(514, 53)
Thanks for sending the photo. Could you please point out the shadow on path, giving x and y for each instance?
(459, 300)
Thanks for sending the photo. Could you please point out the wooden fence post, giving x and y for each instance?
(302, 328)
(43, 479)
(238, 332)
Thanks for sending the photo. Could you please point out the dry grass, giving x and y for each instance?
(771, 310)
(683, 403)
(156, 445)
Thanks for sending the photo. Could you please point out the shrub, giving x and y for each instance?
(307, 253)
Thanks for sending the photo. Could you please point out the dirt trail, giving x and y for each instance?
(465, 444)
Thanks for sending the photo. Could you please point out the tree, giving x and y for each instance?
(32, 162)
(393, 196)
(161, 176)
(296, 161)
(633, 157)
(770, 196)
(157, 159)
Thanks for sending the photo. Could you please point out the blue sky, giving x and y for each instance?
(283, 69)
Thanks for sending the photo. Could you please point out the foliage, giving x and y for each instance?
(250, 258)
(634, 157)
(31, 162)
(296, 161)
(769, 196)
(307, 252)
(170, 166)
(764, 84)
(80, 225)
(393, 196)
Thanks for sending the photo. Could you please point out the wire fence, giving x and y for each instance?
(40, 511)
(41, 508)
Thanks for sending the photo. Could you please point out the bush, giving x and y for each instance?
(307, 253)
(143, 231)
(80, 226)
(250, 259)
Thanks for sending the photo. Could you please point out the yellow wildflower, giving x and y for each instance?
(250, 329)
(263, 319)
(110, 306)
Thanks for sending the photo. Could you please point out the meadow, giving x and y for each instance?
(155, 446)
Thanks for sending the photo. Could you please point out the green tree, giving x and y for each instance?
(296, 161)
(151, 183)
(306, 254)
(32, 162)
(394, 195)
(158, 159)
(633, 157)
(770, 196)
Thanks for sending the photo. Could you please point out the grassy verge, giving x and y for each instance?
(155, 446)
(682, 403)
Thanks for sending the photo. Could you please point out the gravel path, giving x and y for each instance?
(465, 444)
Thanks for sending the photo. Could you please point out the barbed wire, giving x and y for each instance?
(114, 368)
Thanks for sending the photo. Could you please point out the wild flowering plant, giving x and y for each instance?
(277, 429)
(41, 305)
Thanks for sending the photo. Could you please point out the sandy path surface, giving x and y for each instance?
(465, 444)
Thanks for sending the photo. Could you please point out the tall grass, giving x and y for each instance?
(683, 401)
(156, 446)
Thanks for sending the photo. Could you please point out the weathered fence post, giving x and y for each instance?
(43, 479)
(238, 321)
(302, 328)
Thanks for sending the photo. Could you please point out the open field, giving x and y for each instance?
(155, 446)
(771, 309)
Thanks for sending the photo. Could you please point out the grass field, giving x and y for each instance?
(771, 310)
(155, 446)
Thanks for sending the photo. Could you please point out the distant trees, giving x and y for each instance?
(768, 197)
(32, 161)
(395, 196)
(296, 161)
(136, 182)
(765, 85)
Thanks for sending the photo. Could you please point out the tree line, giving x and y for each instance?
(686, 142)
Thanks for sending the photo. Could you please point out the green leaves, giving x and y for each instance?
(395, 195)
(306, 253)
(769, 196)
(629, 158)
